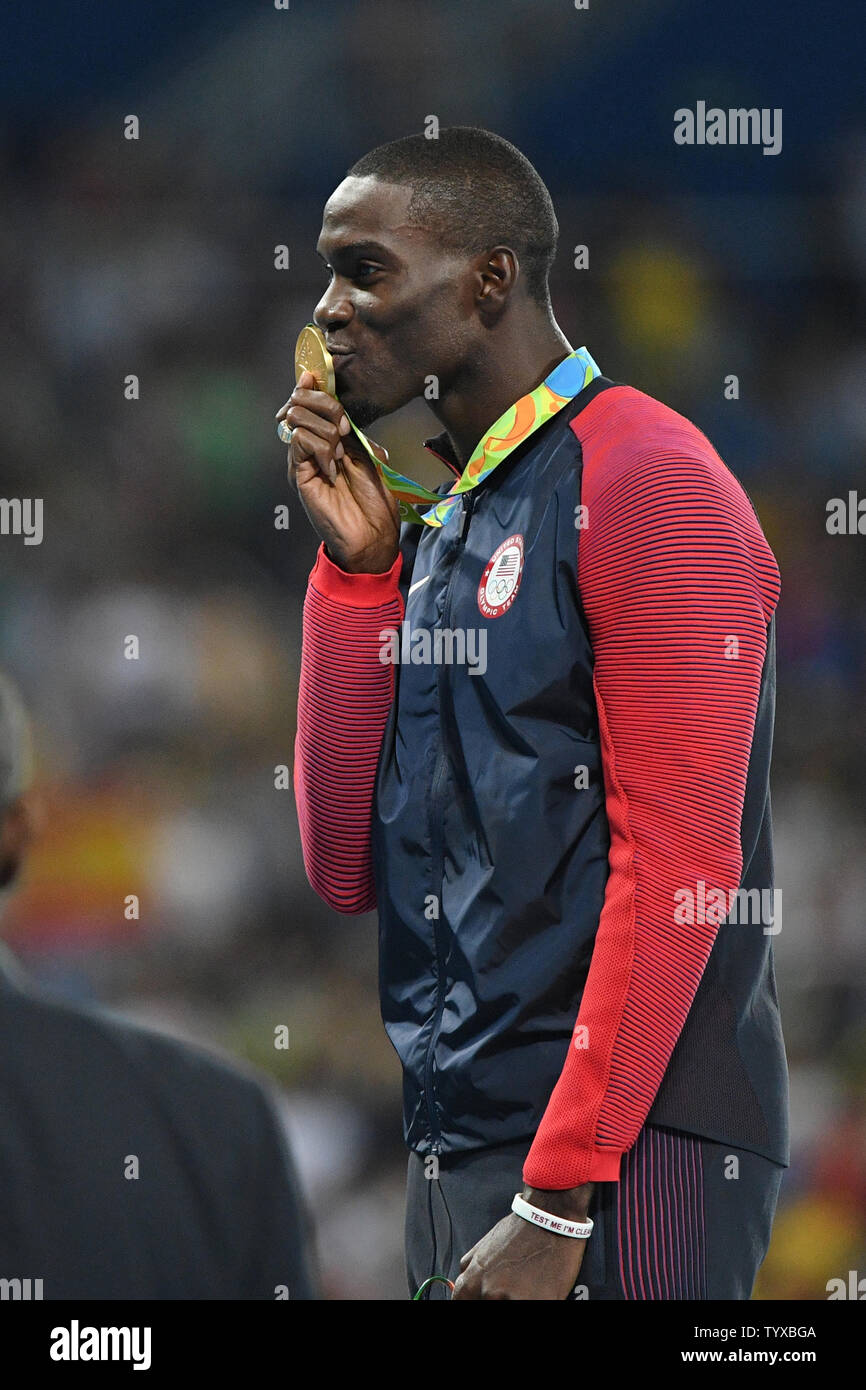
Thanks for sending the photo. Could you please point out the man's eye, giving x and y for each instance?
(365, 269)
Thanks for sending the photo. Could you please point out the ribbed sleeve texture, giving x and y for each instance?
(344, 697)
(678, 584)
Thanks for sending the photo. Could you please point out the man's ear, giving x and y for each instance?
(497, 272)
(18, 829)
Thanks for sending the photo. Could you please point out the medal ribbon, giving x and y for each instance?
(517, 423)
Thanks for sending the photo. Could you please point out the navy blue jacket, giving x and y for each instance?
(491, 872)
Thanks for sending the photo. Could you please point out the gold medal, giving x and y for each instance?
(311, 355)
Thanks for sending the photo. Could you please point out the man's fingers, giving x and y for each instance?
(307, 392)
(322, 441)
(320, 403)
(305, 379)
(467, 1286)
(310, 450)
(298, 415)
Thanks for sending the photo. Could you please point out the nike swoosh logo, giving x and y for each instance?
(417, 585)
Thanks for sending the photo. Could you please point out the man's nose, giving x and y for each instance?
(334, 308)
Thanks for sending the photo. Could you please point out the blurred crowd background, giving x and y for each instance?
(155, 257)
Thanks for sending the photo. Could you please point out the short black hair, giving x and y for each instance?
(475, 190)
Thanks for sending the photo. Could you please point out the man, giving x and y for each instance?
(133, 1166)
(555, 835)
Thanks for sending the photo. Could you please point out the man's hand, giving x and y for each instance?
(522, 1261)
(341, 491)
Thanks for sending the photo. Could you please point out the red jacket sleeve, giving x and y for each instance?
(678, 585)
(344, 697)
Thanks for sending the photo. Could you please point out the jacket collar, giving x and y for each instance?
(441, 447)
(566, 381)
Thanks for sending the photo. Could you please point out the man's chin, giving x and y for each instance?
(361, 410)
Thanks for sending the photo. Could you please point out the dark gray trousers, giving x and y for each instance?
(688, 1219)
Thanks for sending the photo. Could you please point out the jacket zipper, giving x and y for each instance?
(439, 863)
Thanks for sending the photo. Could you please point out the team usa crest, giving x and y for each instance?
(501, 578)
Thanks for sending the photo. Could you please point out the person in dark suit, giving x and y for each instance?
(132, 1166)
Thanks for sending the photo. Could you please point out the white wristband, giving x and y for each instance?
(579, 1230)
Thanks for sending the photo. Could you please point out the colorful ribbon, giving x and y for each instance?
(517, 423)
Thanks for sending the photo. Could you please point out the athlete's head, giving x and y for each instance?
(16, 773)
(430, 243)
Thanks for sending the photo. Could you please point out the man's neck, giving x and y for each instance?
(516, 362)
